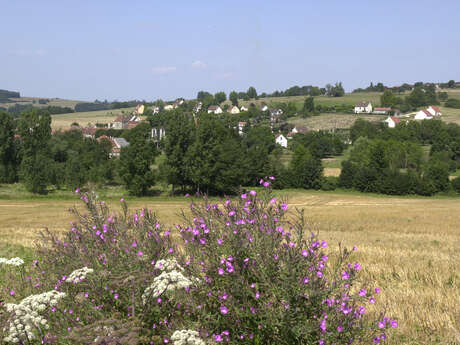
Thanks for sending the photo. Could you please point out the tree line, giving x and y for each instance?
(392, 160)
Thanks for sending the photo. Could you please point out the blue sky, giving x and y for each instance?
(123, 50)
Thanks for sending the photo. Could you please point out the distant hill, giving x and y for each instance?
(5, 95)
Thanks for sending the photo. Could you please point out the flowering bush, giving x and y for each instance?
(104, 266)
(239, 272)
(267, 281)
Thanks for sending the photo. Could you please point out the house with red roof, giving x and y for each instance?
(392, 121)
(423, 115)
(434, 110)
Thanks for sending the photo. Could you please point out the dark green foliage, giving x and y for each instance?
(456, 184)
(453, 103)
(220, 97)
(422, 96)
(257, 144)
(393, 162)
(80, 107)
(214, 156)
(309, 106)
(35, 131)
(321, 144)
(329, 183)
(252, 93)
(347, 175)
(336, 90)
(181, 132)
(233, 97)
(78, 160)
(438, 173)
(5, 94)
(135, 166)
(388, 99)
(9, 149)
(306, 170)
(443, 96)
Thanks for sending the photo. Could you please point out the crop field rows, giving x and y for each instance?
(409, 246)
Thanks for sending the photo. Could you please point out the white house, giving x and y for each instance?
(423, 115)
(281, 140)
(233, 109)
(243, 108)
(433, 110)
(363, 107)
(168, 107)
(392, 121)
(215, 109)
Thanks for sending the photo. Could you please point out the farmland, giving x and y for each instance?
(348, 98)
(64, 121)
(411, 253)
(55, 102)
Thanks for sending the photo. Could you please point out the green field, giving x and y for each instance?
(349, 98)
(57, 102)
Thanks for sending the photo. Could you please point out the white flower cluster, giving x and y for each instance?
(26, 315)
(13, 261)
(169, 280)
(187, 337)
(79, 275)
(168, 265)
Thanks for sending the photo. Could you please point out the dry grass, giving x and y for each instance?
(333, 121)
(332, 172)
(64, 121)
(451, 115)
(409, 246)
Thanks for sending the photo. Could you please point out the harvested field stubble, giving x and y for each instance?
(409, 246)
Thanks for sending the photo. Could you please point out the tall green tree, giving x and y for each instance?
(234, 98)
(214, 159)
(388, 99)
(35, 131)
(252, 93)
(220, 97)
(306, 170)
(180, 131)
(309, 105)
(9, 149)
(135, 166)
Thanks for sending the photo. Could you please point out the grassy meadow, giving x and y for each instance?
(348, 98)
(407, 245)
(57, 102)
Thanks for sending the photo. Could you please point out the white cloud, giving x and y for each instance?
(198, 64)
(164, 70)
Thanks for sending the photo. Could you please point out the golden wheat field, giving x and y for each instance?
(409, 246)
